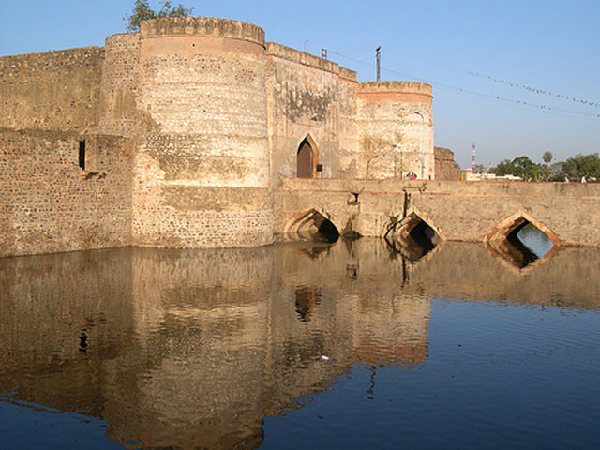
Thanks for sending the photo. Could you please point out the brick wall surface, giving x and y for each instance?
(55, 90)
(48, 204)
(201, 176)
(118, 105)
(445, 168)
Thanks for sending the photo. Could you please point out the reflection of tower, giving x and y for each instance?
(203, 346)
(306, 300)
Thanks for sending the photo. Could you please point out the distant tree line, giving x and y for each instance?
(141, 11)
(574, 168)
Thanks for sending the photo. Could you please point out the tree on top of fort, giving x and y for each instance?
(141, 11)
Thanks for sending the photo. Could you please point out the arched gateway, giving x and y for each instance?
(306, 159)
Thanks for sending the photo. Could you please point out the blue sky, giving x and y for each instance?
(513, 77)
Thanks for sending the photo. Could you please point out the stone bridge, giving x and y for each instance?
(489, 212)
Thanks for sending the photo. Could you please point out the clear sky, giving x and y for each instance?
(514, 77)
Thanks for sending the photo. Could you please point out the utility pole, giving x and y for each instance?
(378, 56)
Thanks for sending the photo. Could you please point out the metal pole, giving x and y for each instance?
(378, 56)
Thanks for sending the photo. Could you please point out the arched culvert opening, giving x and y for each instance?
(328, 231)
(522, 241)
(312, 225)
(413, 237)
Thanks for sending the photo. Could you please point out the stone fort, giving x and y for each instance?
(180, 135)
(196, 132)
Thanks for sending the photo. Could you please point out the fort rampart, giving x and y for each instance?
(178, 136)
(49, 204)
(196, 132)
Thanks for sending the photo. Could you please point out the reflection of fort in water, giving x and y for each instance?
(193, 348)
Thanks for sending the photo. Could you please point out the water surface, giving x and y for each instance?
(299, 346)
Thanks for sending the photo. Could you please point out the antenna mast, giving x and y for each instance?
(378, 56)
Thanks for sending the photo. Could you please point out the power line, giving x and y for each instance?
(494, 79)
(534, 90)
(523, 103)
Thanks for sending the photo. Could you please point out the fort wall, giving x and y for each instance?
(445, 168)
(55, 90)
(460, 211)
(118, 111)
(49, 204)
(188, 127)
(309, 97)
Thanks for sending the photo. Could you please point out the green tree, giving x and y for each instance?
(142, 11)
(504, 167)
(524, 167)
(547, 157)
(580, 165)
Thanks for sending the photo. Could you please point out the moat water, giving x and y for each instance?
(301, 346)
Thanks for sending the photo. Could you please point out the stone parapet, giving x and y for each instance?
(202, 26)
(281, 51)
(394, 91)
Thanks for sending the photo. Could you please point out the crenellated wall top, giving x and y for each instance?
(394, 92)
(403, 87)
(203, 26)
(290, 54)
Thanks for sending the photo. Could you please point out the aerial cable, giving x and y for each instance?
(543, 108)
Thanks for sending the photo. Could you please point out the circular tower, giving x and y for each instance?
(395, 129)
(201, 171)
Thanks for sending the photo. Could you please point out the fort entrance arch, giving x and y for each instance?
(307, 157)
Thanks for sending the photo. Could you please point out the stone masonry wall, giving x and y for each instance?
(201, 175)
(118, 108)
(395, 130)
(309, 96)
(48, 204)
(460, 211)
(55, 90)
(444, 165)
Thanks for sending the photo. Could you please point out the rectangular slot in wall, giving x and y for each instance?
(82, 155)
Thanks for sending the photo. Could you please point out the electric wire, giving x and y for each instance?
(513, 102)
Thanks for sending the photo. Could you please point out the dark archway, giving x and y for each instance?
(521, 241)
(314, 226)
(413, 237)
(305, 160)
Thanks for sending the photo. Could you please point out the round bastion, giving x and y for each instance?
(201, 176)
(398, 114)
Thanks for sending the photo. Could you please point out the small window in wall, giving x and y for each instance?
(82, 155)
